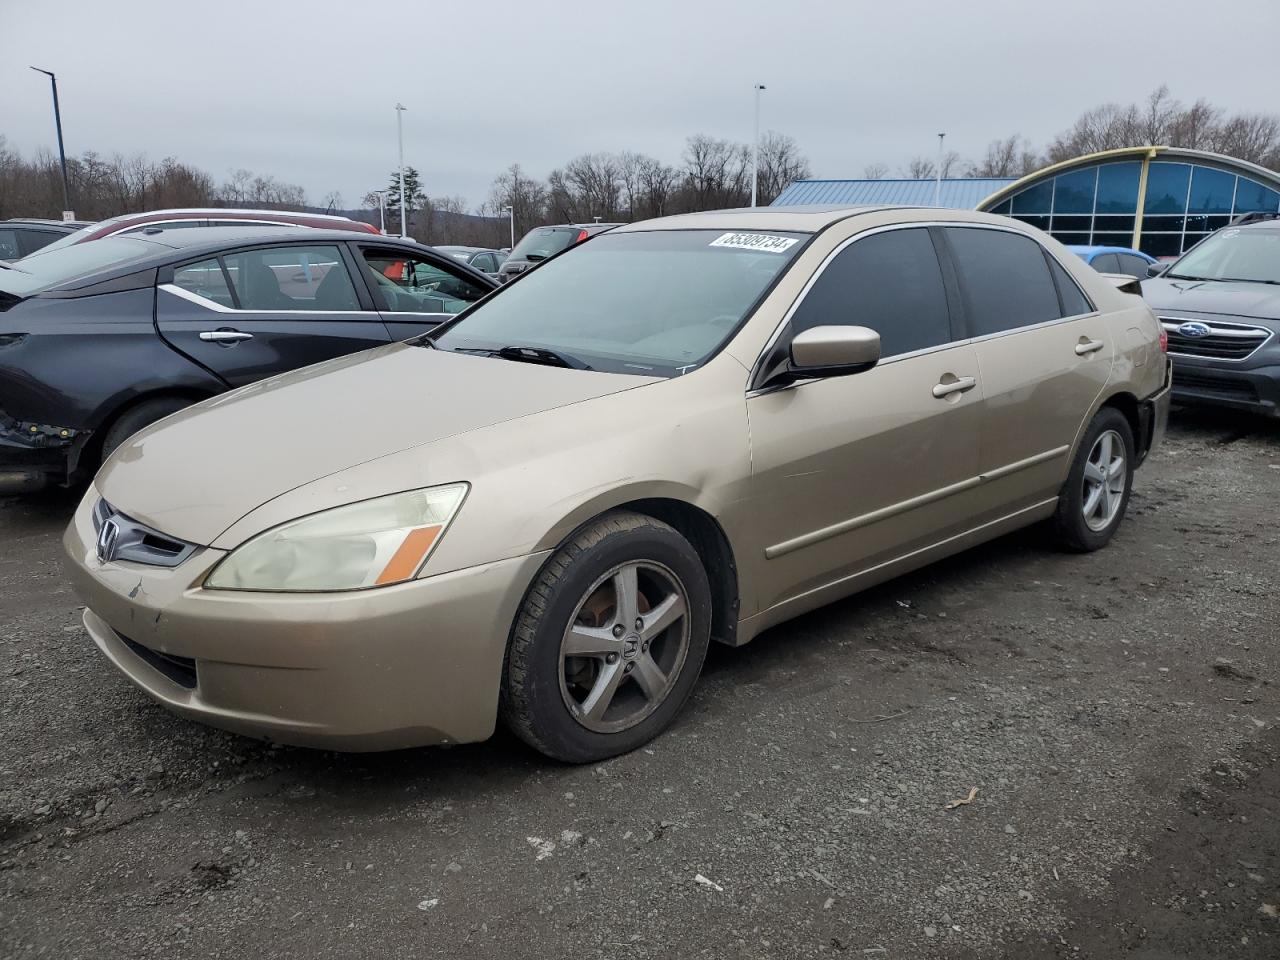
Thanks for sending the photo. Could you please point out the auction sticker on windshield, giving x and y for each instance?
(754, 241)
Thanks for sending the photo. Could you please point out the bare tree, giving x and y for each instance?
(1010, 157)
(716, 173)
(781, 162)
(875, 171)
(919, 168)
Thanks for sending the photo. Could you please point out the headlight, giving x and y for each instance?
(370, 544)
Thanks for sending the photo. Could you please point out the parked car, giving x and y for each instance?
(20, 237)
(131, 224)
(1220, 306)
(98, 340)
(687, 429)
(541, 243)
(1122, 260)
(484, 259)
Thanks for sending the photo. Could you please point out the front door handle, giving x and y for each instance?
(946, 388)
(1087, 346)
(226, 337)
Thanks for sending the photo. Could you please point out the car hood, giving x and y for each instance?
(194, 474)
(1260, 301)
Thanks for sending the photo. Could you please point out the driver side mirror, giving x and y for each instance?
(834, 351)
(1156, 269)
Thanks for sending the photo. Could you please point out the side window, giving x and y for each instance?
(1133, 266)
(890, 282)
(1106, 263)
(405, 283)
(292, 278)
(1074, 302)
(1005, 280)
(204, 279)
(484, 262)
(33, 240)
(9, 245)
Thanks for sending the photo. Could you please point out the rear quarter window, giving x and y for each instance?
(1004, 279)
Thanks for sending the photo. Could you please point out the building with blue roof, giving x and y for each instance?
(958, 193)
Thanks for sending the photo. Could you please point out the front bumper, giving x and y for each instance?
(413, 664)
(1256, 389)
(34, 455)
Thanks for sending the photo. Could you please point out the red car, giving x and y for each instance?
(207, 217)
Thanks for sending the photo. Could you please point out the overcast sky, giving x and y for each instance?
(306, 92)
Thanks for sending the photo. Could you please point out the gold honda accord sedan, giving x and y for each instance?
(680, 431)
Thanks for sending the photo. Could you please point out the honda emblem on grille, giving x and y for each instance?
(1194, 329)
(108, 540)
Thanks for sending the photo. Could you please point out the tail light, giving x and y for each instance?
(582, 235)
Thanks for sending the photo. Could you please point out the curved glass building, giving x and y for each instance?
(1160, 200)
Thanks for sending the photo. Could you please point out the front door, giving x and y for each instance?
(416, 292)
(852, 472)
(252, 313)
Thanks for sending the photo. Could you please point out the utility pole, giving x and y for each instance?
(67, 212)
(510, 210)
(382, 210)
(755, 148)
(400, 109)
(937, 174)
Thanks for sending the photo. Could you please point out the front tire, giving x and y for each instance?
(1093, 501)
(609, 641)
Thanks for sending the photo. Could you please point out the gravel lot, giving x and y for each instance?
(1117, 713)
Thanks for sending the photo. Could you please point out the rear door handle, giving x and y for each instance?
(946, 388)
(227, 337)
(1087, 346)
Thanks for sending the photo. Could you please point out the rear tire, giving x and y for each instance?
(609, 641)
(1093, 500)
(135, 418)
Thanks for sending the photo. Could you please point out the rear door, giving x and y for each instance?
(251, 313)
(416, 292)
(1044, 354)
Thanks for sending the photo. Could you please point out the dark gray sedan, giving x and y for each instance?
(99, 340)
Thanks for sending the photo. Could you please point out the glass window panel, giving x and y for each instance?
(1167, 188)
(1114, 224)
(1037, 198)
(1118, 187)
(408, 284)
(292, 278)
(1074, 302)
(1077, 239)
(204, 279)
(1162, 224)
(1040, 222)
(1211, 191)
(1113, 239)
(1191, 239)
(1160, 245)
(891, 283)
(1003, 208)
(1005, 280)
(9, 245)
(1251, 196)
(1133, 265)
(1071, 223)
(1105, 263)
(1073, 192)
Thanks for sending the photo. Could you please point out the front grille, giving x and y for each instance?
(1224, 341)
(134, 541)
(1211, 386)
(181, 670)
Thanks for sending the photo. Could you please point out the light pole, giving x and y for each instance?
(937, 174)
(400, 109)
(755, 148)
(67, 212)
(510, 210)
(382, 210)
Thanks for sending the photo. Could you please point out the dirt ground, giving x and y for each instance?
(1118, 713)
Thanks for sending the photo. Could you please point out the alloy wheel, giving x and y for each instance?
(1105, 476)
(625, 646)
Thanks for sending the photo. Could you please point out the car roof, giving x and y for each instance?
(222, 212)
(804, 218)
(69, 225)
(1093, 251)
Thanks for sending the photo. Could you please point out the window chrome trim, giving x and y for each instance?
(757, 367)
(216, 307)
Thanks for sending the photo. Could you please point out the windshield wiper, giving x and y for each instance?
(1182, 276)
(1248, 280)
(549, 358)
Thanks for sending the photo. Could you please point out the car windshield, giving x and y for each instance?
(544, 242)
(47, 268)
(1233, 254)
(658, 302)
(68, 240)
